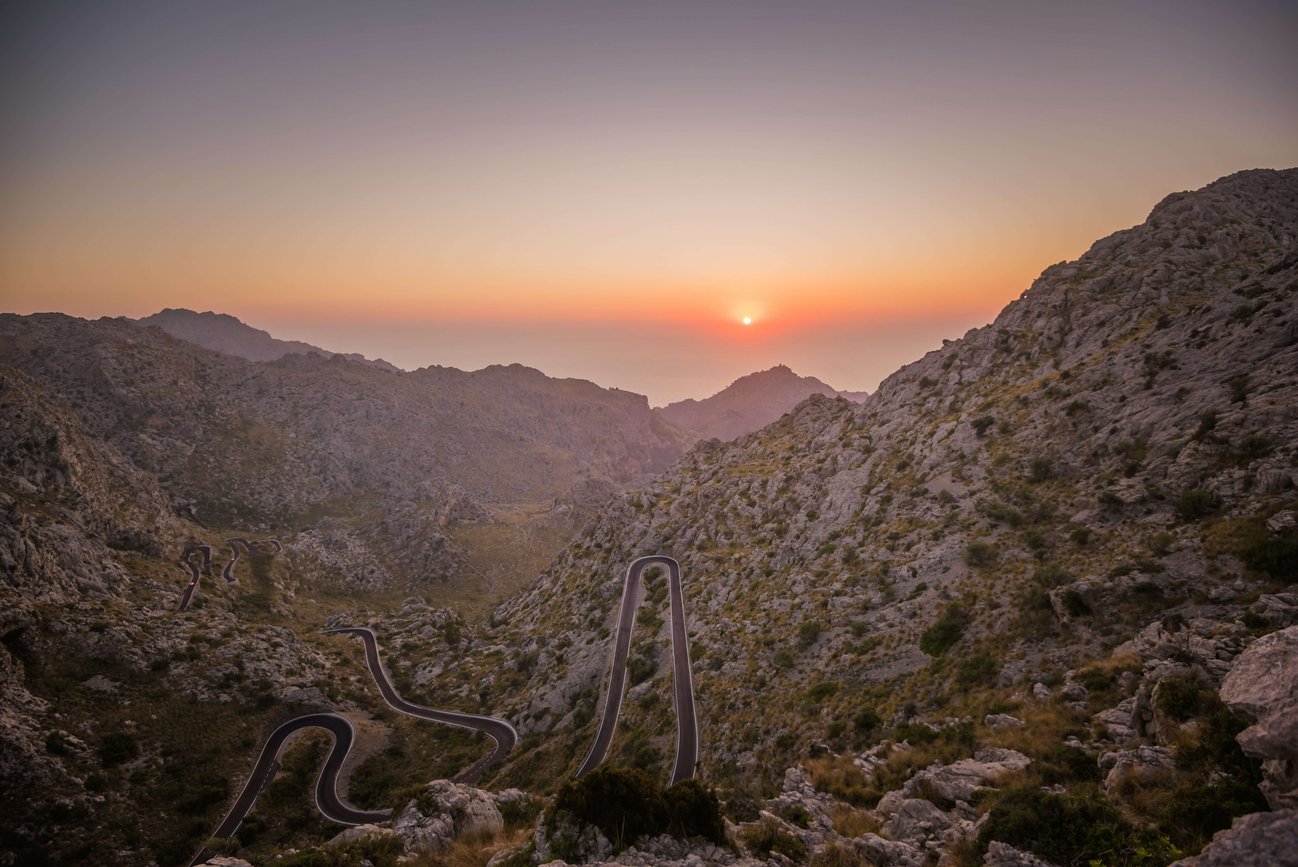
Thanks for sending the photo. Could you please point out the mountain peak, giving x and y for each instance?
(225, 333)
(750, 402)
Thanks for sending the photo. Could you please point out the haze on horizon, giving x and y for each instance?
(604, 190)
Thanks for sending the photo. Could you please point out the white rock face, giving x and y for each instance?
(1263, 684)
(445, 811)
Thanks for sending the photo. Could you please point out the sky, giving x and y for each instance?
(604, 189)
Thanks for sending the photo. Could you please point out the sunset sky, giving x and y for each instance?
(604, 189)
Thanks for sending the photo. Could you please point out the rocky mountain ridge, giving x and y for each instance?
(1115, 452)
(224, 333)
(1045, 578)
(749, 403)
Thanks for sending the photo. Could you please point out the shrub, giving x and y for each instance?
(808, 633)
(979, 554)
(1277, 556)
(866, 720)
(1180, 697)
(980, 668)
(118, 747)
(767, 837)
(1041, 470)
(981, 424)
(945, 631)
(1081, 536)
(1195, 503)
(1071, 829)
(823, 690)
(624, 803)
(693, 810)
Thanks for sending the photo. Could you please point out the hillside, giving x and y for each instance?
(289, 444)
(1101, 480)
(748, 403)
(1036, 594)
(224, 333)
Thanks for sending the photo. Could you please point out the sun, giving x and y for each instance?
(747, 320)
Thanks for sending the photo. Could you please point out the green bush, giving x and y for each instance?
(693, 810)
(118, 747)
(1277, 556)
(823, 690)
(626, 804)
(976, 670)
(1180, 697)
(767, 837)
(1195, 503)
(945, 631)
(1071, 829)
(981, 424)
(979, 554)
(808, 633)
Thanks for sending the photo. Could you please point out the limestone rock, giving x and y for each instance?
(1004, 855)
(444, 811)
(1255, 840)
(1263, 685)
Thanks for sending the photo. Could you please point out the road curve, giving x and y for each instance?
(501, 732)
(228, 572)
(687, 725)
(187, 560)
(326, 788)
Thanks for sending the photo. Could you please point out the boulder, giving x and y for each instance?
(443, 812)
(1004, 855)
(1255, 840)
(1263, 685)
(1142, 763)
(917, 821)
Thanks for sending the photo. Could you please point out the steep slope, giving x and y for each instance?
(748, 403)
(224, 333)
(282, 444)
(1116, 450)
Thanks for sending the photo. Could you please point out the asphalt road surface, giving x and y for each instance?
(326, 787)
(187, 560)
(687, 726)
(498, 730)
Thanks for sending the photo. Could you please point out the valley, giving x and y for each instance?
(1041, 577)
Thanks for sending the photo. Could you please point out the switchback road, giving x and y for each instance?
(498, 730)
(187, 560)
(326, 787)
(687, 726)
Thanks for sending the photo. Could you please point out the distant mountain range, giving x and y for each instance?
(749, 403)
(225, 333)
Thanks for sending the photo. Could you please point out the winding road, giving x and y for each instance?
(187, 560)
(326, 788)
(687, 725)
(501, 732)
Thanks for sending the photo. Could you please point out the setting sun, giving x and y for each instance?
(748, 320)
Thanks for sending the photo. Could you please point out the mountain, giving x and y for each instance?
(293, 442)
(225, 333)
(748, 403)
(1035, 600)
(1067, 516)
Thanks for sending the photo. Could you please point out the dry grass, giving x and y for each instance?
(473, 851)
(853, 822)
(837, 855)
(840, 777)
